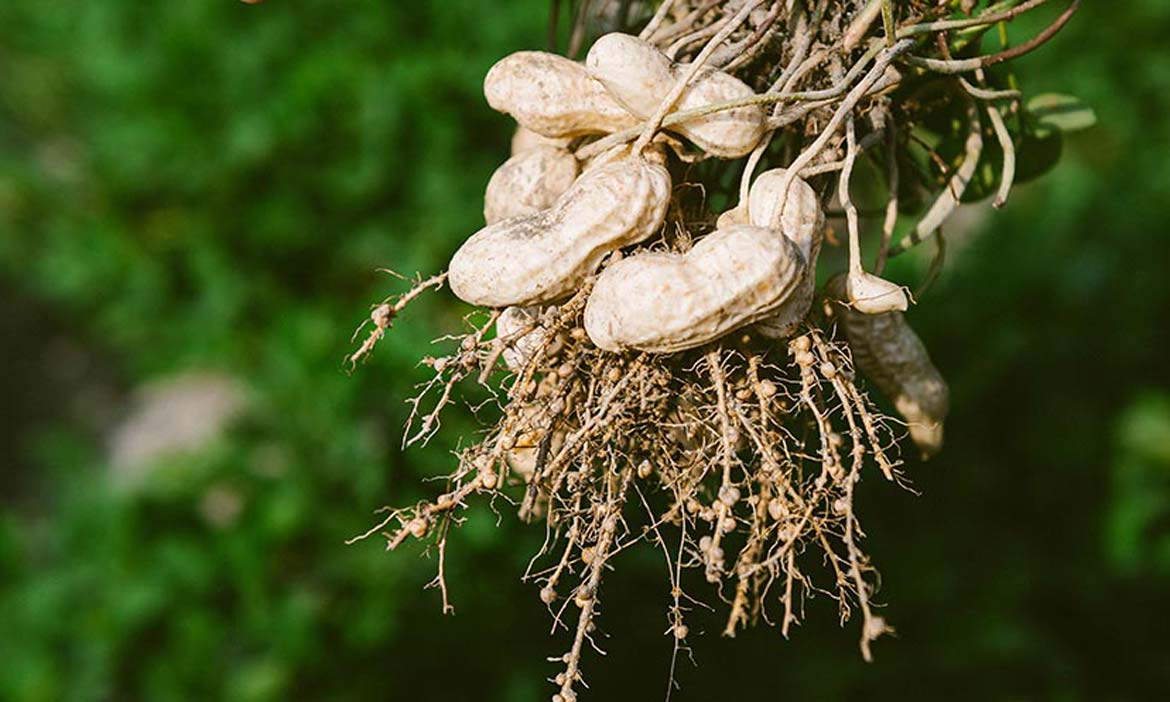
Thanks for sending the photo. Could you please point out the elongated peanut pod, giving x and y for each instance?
(546, 256)
(553, 96)
(529, 182)
(640, 77)
(666, 302)
(888, 352)
(800, 218)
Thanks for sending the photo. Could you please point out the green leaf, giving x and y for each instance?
(1056, 112)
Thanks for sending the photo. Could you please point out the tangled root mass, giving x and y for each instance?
(739, 460)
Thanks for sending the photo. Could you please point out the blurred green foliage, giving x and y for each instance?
(210, 185)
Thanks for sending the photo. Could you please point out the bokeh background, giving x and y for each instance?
(194, 197)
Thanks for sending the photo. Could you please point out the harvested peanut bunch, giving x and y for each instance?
(644, 288)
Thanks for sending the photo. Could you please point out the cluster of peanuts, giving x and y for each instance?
(674, 375)
(552, 223)
(556, 224)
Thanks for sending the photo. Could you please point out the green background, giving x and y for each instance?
(203, 184)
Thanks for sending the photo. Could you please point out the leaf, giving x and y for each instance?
(1036, 154)
(1056, 112)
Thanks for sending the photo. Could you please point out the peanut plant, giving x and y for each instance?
(664, 371)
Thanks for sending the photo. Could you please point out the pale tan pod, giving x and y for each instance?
(633, 71)
(727, 133)
(732, 217)
(529, 182)
(870, 294)
(666, 302)
(640, 77)
(801, 219)
(888, 352)
(798, 211)
(654, 153)
(526, 140)
(553, 96)
(786, 321)
(546, 256)
(513, 321)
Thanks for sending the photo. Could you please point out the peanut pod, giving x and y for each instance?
(526, 140)
(888, 352)
(543, 257)
(552, 96)
(798, 214)
(667, 302)
(640, 77)
(529, 182)
(871, 294)
(521, 329)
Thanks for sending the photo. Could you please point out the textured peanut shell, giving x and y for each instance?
(640, 77)
(529, 182)
(801, 220)
(546, 256)
(798, 211)
(513, 321)
(888, 352)
(654, 153)
(729, 218)
(552, 96)
(869, 294)
(666, 302)
(526, 140)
